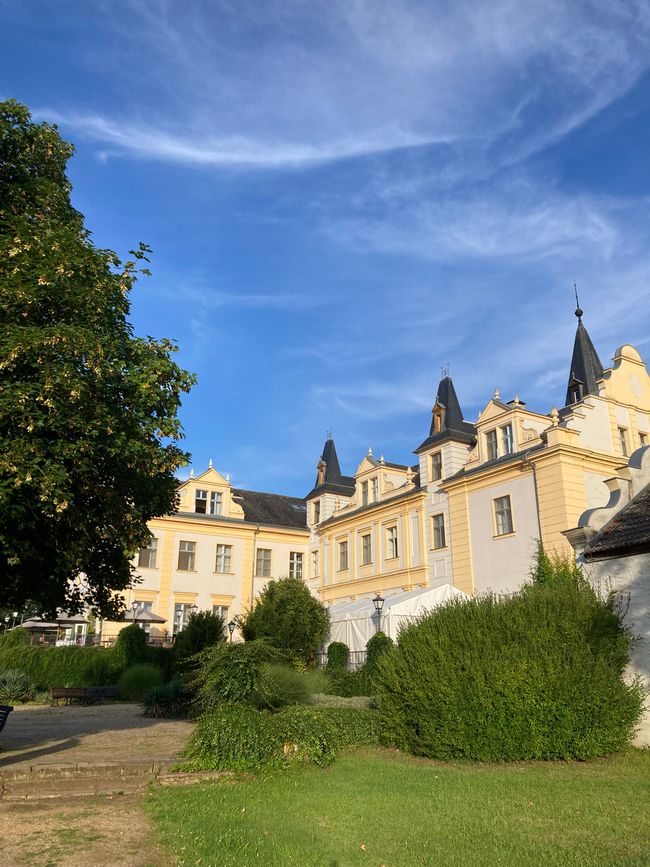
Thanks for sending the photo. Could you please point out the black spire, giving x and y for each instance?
(447, 421)
(586, 367)
(329, 476)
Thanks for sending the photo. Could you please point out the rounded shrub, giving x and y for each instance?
(278, 686)
(379, 644)
(537, 675)
(338, 654)
(136, 681)
(131, 645)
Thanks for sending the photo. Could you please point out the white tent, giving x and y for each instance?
(354, 623)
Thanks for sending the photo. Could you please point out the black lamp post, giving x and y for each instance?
(378, 602)
(231, 628)
(134, 609)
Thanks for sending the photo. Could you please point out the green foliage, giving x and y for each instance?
(379, 644)
(356, 701)
(338, 654)
(63, 666)
(278, 686)
(136, 681)
(350, 683)
(238, 737)
(15, 686)
(167, 701)
(14, 638)
(229, 672)
(537, 675)
(202, 630)
(288, 617)
(131, 645)
(88, 411)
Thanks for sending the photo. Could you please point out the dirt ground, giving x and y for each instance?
(90, 830)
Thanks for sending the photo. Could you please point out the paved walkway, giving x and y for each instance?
(109, 733)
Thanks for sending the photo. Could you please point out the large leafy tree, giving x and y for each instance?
(88, 411)
(287, 616)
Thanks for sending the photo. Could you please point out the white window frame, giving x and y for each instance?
(503, 526)
(643, 438)
(344, 561)
(190, 558)
(216, 503)
(200, 499)
(186, 608)
(149, 552)
(436, 466)
(222, 611)
(364, 493)
(263, 563)
(492, 444)
(392, 543)
(317, 512)
(374, 482)
(507, 439)
(623, 441)
(295, 564)
(223, 560)
(438, 531)
(366, 549)
(314, 564)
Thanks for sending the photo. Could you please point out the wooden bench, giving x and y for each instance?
(5, 710)
(82, 694)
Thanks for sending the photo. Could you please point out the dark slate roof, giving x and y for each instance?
(452, 425)
(335, 482)
(627, 533)
(275, 509)
(586, 367)
(400, 495)
(504, 459)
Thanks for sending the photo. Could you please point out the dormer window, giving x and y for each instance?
(322, 466)
(575, 391)
(492, 445)
(201, 502)
(364, 493)
(216, 503)
(317, 512)
(438, 418)
(507, 440)
(375, 489)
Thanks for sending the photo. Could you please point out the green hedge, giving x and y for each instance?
(537, 675)
(238, 737)
(75, 666)
(338, 654)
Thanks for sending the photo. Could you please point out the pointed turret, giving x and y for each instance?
(586, 367)
(329, 476)
(447, 421)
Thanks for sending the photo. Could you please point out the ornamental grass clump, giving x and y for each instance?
(136, 681)
(538, 675)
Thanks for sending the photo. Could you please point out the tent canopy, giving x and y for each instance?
(354, 623)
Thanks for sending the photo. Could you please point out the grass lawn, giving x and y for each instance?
(377, 807)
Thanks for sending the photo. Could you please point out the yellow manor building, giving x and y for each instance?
(470, 511)
(216, 553)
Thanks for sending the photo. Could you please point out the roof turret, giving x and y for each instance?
(329, 476)
(447, 421)
(586, 367)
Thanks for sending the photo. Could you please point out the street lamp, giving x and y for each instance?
(231, 628)
(378, 602)
(6, 622)
(193, 608)
(134, 608)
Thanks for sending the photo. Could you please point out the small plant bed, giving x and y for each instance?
(377, 807)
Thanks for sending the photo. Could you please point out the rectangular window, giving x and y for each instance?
(201, 502)
(216, 500)
(436, 466)
(314, 564)
(503, 516)
(643, 439)
(317, 512)
(364, 493)
(392, 549)
(295, 564)
(147, 556)
(263, 563)
(439, 539)
(507, 440)
(221, 611)
(182, 613)
(492, 446)
(343, 556)
(186, 552)
(622, 438)
(224, 558)
(375, 489)
(366, 549)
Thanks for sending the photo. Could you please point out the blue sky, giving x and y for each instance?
(344, 196)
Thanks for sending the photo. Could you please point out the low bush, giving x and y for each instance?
(131, 646)
(278, 686)
(15, 686)
(231, 673)
(537, 675)
(350, 683)
(167, 701)
(239, 737)
(136, 681)
(338, 654)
